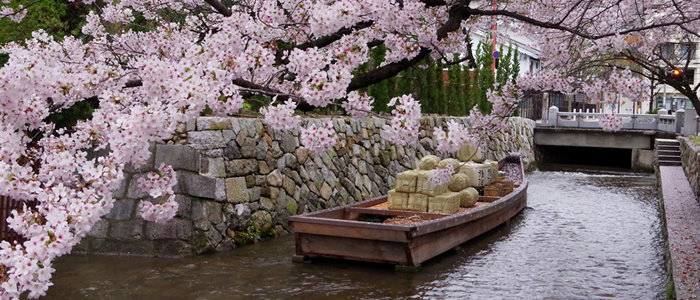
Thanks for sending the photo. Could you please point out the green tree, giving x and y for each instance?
(57, 18)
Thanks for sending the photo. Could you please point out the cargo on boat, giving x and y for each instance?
(371, 231)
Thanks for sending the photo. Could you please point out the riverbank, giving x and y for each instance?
(680, 213)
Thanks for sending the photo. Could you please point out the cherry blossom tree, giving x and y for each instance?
(150, 64)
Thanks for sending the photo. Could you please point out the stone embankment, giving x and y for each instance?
(239, 181)
(690, 158)
(680, 211)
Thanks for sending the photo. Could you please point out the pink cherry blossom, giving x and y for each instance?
(441, 176)
(611, 123)
(319, 138)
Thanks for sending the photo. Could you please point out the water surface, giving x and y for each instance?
(582, 236)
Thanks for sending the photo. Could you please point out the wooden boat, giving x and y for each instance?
(345, 232)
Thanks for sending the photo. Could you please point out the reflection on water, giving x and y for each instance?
(582, 236)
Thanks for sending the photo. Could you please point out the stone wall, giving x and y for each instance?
(690, 157)
(239, 181)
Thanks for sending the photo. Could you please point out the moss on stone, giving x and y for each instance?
(292, 206)
(695, 139)
(200, 244)
(243, 238)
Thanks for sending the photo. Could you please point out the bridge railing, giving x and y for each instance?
(680, 122)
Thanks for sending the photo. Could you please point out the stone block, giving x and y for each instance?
(208, 210)
(326, 191)
(248, 145)
(184, 205)
(199, 186)
(99, 230)
(212, 167)
(214, 237)
(301, 154)
(275, 178)
(180, 157)
(207, 139)
(174, 248)
(261, 148)
(191, 125)
(241, 167)
(134, 191)
(288, 185)
(123, 210)
(235, 125)
(120, 192)
(126, 230)
(292, 206)
(237, 190)
(228, 136)
(213, 123)
(262, 221)
(289, 143)
(232, 151)
(447, 203)
(173, 229)
(146, 166)
(267, 203)
(254, 193)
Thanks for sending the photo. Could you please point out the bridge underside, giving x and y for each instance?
(622, 149)
(599, 157)
(594, 138)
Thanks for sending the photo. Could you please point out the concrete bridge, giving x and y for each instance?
(576, 137)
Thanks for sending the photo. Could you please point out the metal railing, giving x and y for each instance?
(683, 122)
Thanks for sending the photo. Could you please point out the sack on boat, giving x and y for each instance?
(459, 182)
(417, 202)
(406, 181)
(447, 203)
(423, 186)
(447, 161)
(469, 152)
(493, 167)
(397, 200)
(407, 201)
(428, 162)
(468, 197)
(479, 174)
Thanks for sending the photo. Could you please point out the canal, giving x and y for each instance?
(583, 235)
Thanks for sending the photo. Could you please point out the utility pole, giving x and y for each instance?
(494, 5)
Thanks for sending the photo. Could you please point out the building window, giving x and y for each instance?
(666, 50)
(687, 51)
(688, 105)
(690, 75)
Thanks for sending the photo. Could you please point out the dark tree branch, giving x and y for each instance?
(457, 13)
(386, 71)
(219, 7)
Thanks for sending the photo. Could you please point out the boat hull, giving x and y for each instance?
(337, 232)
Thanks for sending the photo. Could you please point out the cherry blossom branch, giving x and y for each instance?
(219, 7)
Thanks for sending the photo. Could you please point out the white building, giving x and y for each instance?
(667, 97)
